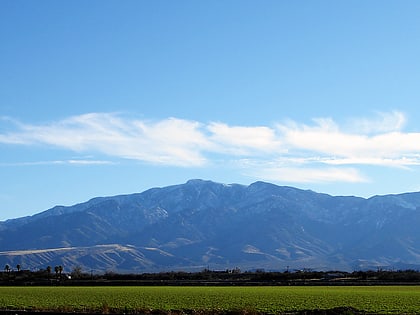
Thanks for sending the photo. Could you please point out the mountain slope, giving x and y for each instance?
(202, 223)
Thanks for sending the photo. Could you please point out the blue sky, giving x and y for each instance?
(102, 98)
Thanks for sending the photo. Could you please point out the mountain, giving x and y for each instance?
(203, 224)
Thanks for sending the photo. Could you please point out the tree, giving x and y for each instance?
(7, 268)
(76, 273)
(18, 267)
(49, 272)
(58, 270)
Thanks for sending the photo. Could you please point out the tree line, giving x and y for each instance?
(206, 277)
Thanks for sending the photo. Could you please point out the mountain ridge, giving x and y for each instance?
(200, 223)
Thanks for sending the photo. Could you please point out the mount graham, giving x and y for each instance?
(203, 224)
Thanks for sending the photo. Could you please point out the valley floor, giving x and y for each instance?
(203, 300)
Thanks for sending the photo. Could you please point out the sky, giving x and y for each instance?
(100, 98)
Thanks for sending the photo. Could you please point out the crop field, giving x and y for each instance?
(268, 300)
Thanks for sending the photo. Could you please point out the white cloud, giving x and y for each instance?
(382, 123)
(326, 138)
(170, 141)
(299, 170)
(403, 162)
(291, 151)
(311, 175)
(61, 162)
(242, 140)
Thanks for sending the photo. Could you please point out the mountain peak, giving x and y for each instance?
(197, 181)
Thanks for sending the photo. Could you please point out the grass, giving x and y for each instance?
(270, 300)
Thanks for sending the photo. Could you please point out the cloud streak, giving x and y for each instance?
(61, 162)
(321, 151)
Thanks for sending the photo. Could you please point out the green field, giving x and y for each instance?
(376, 299)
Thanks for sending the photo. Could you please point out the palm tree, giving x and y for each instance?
(49, 272)
(18, 267)
(56, 269)
(7, 270)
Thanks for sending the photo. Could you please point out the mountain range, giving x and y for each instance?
(203, 224)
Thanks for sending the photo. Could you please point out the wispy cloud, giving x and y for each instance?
(321, 151)
(383, 122)
(356, 146)
(243, 140)
(171, 141)
(60, 162)
(310, 174)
